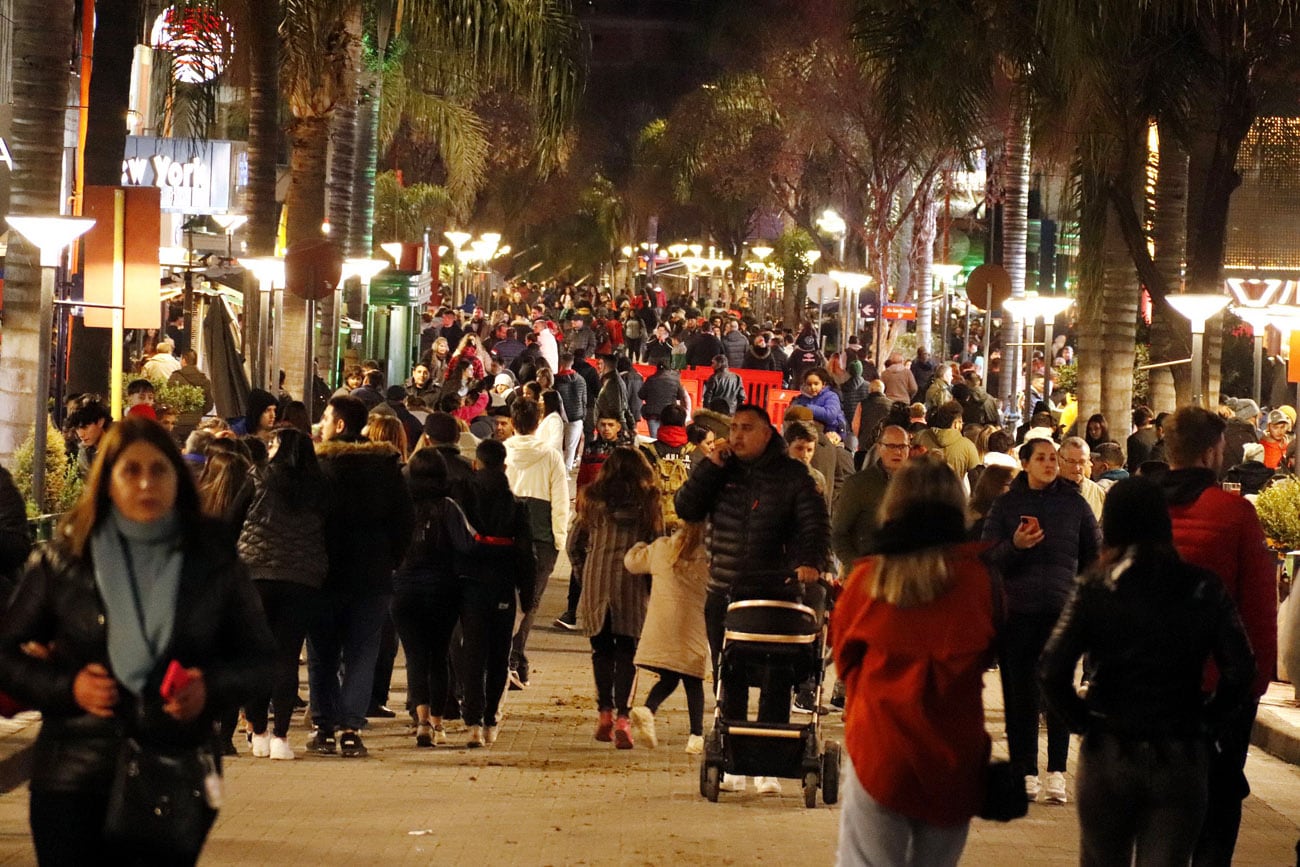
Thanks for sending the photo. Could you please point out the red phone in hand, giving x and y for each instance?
(175, 679)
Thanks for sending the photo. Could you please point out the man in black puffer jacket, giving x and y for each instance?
(768, 524)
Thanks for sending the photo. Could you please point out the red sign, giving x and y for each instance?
(898, 311)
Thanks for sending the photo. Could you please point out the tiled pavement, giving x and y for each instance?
(547, 793)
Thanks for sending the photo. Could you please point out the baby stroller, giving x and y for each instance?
(774, 645)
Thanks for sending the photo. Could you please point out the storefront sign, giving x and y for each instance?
(899, 312)
(194, 176)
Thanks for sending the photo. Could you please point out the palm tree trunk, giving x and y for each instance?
(362, 231)
(263, 127)
(42, 40)
(1118, 331)
(309, 137)
(1015, 230)
(1169, 234)
(922, 275)
(117, 29)
(343, 133)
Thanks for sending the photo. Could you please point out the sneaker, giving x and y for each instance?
(643, 726)
(1054, 790)
(622, 734)
(351, 747)
(733, 783)
(261, 745)
(568, 620)
(767, 785)
(516, 681)
(605, 726)
(694, 745)
(439, 736)
(381, 711)
(321, 742)
(490, 734)
(280, 750)
(424, 735)
(475, 737)
(1032, 787)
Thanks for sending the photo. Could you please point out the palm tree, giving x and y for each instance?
(42, 41)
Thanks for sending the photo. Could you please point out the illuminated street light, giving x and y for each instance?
(1197, 308)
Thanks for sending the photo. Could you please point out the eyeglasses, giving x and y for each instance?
(895, 446)
(1074, 463)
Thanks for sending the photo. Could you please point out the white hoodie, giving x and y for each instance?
(536, 471)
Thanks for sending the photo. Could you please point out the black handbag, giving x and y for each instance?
(1004, 793)
(163, 802)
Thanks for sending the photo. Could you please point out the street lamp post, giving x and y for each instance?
(269, 273)
(1258, 318)
(50, 235)
(1030, 308)
(1197, 308)
(943, 274)
(458, 241)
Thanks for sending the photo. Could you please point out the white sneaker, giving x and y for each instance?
(1054, 790)
(694, 745)
(439, 736)
(281, 750)
(490, 734)
(767, 785)
(643, 727)
(475, 738)
(733, 783)
(261, 745)
(1031, 787)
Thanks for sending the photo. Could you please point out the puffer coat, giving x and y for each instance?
(673, 636)
(766, 519)
(283, 541)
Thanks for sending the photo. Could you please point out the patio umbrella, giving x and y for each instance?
(225, 365)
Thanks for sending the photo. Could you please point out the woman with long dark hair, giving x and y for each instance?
(912, 634)
(620, 508)
(134, 585)
(1096, 431)
(283, 545)
(428, 590)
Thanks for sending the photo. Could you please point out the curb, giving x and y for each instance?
(1276, 736)
(17, 743)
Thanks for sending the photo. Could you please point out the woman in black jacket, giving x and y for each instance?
(1044, 534)
(134, 581)
(283, 545)
(428, 590)
(1148, 622)
(502, 566)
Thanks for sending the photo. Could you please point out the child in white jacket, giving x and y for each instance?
(674, 644)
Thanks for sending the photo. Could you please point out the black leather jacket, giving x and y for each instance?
(220, 628)
(1148, 623)
(766, 519)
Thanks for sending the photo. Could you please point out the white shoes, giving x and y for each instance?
(490, 734)
(261, 745)
(475, 738)
(733, 783)
(1032, 787)
(694, 745)
(1054, 790)
(767, 785)
(281, 750)
(643, 727)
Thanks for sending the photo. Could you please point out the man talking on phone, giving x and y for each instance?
(770, 534)
(1044, 534)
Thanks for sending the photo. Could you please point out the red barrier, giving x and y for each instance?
(778, 401)
(758, 383)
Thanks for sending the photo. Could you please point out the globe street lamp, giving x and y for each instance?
(1197, 308)
(50, 235)
(832, 223)
(458, 241)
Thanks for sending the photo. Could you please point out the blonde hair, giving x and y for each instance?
(688, 536)
(915, 578)
(384, 428)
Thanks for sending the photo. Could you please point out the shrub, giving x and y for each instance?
(1279, 513)
(62, 482)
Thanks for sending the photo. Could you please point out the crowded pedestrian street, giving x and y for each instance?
(548, 794)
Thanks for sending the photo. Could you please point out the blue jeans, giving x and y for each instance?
(653, 424)
(342, 646)
(873, 836)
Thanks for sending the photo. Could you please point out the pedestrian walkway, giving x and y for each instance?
(548, 794)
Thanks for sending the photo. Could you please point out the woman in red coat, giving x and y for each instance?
(912, 633)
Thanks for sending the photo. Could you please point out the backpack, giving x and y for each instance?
(671, 472)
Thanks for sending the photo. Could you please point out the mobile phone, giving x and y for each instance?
(174, 680)
(1029, 523)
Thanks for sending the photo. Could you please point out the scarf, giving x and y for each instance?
(672, 435)
(121, 548)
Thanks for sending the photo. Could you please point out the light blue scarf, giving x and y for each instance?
(154, 556)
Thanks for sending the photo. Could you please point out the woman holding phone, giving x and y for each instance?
(1044, 534)
(134, 629)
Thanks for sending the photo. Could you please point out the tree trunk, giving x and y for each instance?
(263, 128)
(309, 137)
(42, 42)
(362, 233)
(343, 134)
(921, 258)
(117, 30)
(1169, 340)
(1015, 230)
(1118, 332)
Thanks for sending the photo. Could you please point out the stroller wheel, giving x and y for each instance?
(710, 781)
(810, 780)
(831, 773)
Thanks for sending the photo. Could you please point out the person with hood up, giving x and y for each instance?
(804, 357)
(1148, 623)
(819, 395)
(538, 477)
(759, 356)
(977, 405)
(723, 385)
(259, 420)
(1043, 535)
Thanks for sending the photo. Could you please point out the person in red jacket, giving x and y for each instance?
(912, 634)
(1220, 531)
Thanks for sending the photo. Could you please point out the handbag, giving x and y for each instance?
(1004, 790)
(163, 802)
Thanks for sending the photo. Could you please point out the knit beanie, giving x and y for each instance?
(1135, 512)
(855, 368)
(258, 401)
